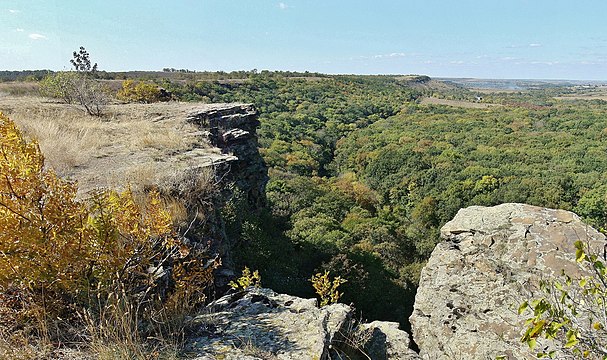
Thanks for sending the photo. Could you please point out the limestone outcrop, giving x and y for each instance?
(232, 129)
(383, 340)
(490, 261)
(260, 324)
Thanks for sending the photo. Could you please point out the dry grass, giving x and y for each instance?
(19, 88)
(136, 144)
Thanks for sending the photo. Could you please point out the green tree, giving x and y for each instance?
(78, 87)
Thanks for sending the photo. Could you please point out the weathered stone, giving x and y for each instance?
(383, 340)
(259, 323)
(491, 261)
(232, 128)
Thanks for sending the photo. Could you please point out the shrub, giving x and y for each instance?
(326, 288)
(573, 312)
(246, 280)
(60, 86)
(140, 92)
(77, 88)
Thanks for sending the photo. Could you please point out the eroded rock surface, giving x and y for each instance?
(491, 261)
(232, 129)
(260, 324)
(383, 340)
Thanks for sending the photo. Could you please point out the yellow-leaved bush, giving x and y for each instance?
(65, 251)
(326, 288)
(140, 91)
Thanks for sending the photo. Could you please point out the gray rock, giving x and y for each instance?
(260, 324)
(382, 340)
(490, 262)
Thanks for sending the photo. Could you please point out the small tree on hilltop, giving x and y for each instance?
(78, 87)
(82, 61)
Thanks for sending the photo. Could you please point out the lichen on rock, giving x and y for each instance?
(491, 260)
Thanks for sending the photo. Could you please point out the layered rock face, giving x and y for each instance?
(229, 130)
(232, 128)
(491, 260)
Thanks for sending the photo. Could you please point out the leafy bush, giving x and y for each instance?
(140, 91)
(573, 312)
(327, 289)
(60, 86)
(77, 88)
(246, 280)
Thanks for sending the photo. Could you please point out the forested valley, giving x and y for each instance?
(363, 174)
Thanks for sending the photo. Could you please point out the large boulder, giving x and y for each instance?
(491, 260)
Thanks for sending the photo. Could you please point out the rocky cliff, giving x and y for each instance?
(237, 170)
(490, 261)
(258, 324)
(232, 129)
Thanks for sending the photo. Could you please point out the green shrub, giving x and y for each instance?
(327, 289)
(572, 312)
(76, 88)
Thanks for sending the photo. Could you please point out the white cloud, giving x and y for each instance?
(283, 6)
(35, 36)
(535, 45)
(379, 56)
(391, 55)
(19, 30)
(13, 11)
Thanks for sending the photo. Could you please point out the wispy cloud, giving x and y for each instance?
(13, 11)
(518, 46)
(380, 56)
(283, 6)
(35, 36)
(19, 30)
(391, 55)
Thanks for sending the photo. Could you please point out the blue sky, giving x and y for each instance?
(535, 39)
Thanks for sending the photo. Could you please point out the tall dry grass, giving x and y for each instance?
(131, 143)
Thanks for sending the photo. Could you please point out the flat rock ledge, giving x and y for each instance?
(261, 324)
(491, 260)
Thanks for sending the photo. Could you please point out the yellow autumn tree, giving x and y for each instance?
(42, 225)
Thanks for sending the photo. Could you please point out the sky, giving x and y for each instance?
(516, 39)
